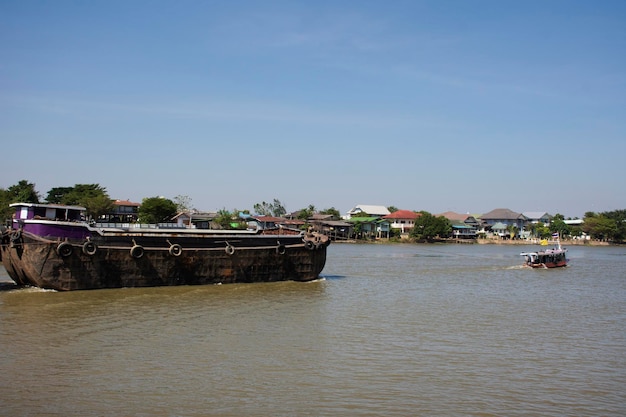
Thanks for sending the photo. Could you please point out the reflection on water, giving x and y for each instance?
(391, 330)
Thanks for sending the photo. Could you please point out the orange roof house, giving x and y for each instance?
(402, 219)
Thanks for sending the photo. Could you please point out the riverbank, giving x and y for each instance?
(567, 242)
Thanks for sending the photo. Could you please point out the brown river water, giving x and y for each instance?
(391, 330)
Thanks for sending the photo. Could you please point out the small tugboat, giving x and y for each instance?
(549, 258)
(53, 246)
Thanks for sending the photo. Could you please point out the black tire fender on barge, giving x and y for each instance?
(137, 251)
(90, 248)
(16, 235)
(14, 238)
(175, 249)
(64, 249)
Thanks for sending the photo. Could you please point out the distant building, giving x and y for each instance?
(504, 216)
(500, 229)
(498, 221)
(335, 229)
(370, 227)
(537, 217)
(265, 222)
(124, 211)
(195, 219)
(374, 211)
(402, 220)
(464, 226)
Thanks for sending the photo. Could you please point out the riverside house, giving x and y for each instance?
(367, 221)
(537, 217)
(369, 227)
(374, 211)
(464, 226)
(334, 228)
(124, 211)
(402, 221)
(499, 220)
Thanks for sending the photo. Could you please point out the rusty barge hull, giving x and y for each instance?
(143, 260)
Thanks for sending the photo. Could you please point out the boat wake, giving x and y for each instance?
(22, 289)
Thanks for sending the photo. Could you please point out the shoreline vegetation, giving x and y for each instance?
(512, 242)
(564, 242)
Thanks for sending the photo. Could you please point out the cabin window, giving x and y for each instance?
(39, 212)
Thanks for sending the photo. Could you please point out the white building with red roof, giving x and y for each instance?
(404, 220)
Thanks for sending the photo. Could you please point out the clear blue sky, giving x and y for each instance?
(424, 105)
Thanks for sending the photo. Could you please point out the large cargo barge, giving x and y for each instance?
(54, 246)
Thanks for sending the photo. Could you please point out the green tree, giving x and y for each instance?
(557, 225)
(156, 210)
(589, 215)
(619, 217)
(429, 227)
(532, 228)
(224, 218)
(357, 230)
(575, 230)
(22, 192)
(5, 211)
(512, 229)
(332, 211)
(76, 195)
(57, 195)
(305, 213)
(392, 209)
(183, 203)
(97, 205)
(275, 208)
(230, 219)
(91, 196)
(599, 226)
(542, 231)
(609, 225)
